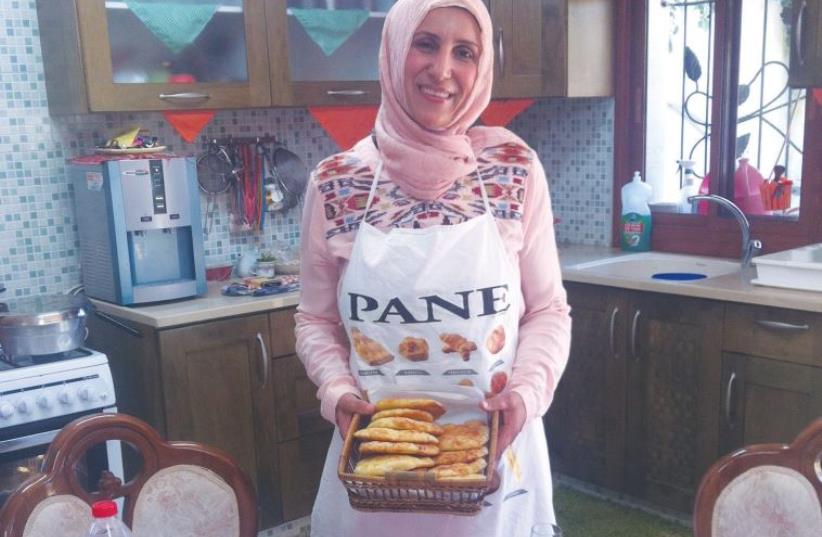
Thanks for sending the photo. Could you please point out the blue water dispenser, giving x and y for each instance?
(139, 226)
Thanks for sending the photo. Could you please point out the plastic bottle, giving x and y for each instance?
(635, 226)
(106, 523)
(689, 187)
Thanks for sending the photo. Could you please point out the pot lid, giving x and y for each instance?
(43, 309)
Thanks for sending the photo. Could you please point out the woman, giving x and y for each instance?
(427, 229)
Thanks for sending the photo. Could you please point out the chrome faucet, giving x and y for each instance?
(750, 247)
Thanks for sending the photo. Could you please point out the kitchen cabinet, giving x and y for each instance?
(232, 383)
(806, 44)
(553, 48)
(772, 375)
(100, 56)
(636, 410)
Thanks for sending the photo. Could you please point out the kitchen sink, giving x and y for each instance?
(659, 266)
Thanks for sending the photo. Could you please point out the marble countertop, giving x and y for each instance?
(732, 287)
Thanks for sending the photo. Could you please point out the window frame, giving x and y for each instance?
(715, 234)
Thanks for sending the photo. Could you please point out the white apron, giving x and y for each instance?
(428, 307)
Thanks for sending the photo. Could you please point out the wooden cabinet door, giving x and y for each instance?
(296, 403)
(806, 44)
(218, 390)
(130, 64)
(586, 422)
(302, 461)
(674, 352)
(766, 401)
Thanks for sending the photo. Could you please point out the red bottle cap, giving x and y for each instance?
(103, 509)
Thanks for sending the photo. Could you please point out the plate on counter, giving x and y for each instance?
(128, 150)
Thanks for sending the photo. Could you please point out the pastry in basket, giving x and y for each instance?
(496, 340)
(469, 435)
(435, 408)
(393, 435)
(406, 424)
(378, 466)
(457, 343)
(399, 448)
(370, 350)
(468, 477)
(419, 415)
(460, 469)
(464, 456)
(414, 349)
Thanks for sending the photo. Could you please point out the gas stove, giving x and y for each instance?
(39, 388)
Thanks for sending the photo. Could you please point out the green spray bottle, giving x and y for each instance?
(635, 225)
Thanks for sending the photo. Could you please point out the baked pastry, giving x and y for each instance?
(370, 350)
(394, 435)
(460, 469)
(414, 349)
(435, 408)
(495, 340)
(468, 477)
(457, 343)
(377, 466)
(419, 415)
(399, 448)
(469, 435)
(405, 424)
(466, 382)
(465, 456)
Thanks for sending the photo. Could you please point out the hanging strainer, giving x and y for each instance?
(215, 174)
(291, 175)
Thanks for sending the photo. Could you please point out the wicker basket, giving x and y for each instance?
(414, 491)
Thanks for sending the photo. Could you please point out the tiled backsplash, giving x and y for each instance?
(38, 239)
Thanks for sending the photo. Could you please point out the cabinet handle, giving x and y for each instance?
(501, 53)
(728, 396)
(266, 363)
(800, 19)
(347, 93)
(185, 97)
(782, 327)
(611, 331)
(634, 324)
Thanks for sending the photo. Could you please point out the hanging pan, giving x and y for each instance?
(289, 174)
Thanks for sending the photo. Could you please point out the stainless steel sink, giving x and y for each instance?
(650, 265)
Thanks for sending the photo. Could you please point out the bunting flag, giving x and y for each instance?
(499, 113)
(330, 28)
(176, 23)
(346, 125)
(188, 123)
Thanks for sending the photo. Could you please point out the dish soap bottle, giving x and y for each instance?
(635, 226)
(689, 187)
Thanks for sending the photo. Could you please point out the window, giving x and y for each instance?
(703, 85)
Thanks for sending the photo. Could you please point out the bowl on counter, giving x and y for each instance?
(287, 267)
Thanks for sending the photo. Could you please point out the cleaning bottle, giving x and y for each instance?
(689, 187)
(635, 226)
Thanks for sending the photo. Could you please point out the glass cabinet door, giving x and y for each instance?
(158, 54)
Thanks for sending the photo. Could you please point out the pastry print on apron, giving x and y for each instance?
(431, 307)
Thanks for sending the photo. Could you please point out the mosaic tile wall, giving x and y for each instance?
(38, 239)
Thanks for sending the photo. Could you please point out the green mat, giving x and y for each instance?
(582, 515)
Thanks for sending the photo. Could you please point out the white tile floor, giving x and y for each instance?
(296, 528)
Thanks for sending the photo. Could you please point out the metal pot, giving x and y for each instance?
(40, 325)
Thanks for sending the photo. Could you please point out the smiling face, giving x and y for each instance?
(441, 66)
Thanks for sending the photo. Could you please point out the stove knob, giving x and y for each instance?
(44, 402)
(103, 396)
(64, 397)
(86, 393)
(24, 406)
(6, 410)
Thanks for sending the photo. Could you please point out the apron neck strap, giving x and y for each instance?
(376, 180)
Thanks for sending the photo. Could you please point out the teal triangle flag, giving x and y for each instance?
(330, 28)
(176, 23)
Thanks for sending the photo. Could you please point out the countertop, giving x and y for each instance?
(730, 287)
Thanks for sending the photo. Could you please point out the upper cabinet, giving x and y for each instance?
(553, 48)
(103, 55)
(806, 44)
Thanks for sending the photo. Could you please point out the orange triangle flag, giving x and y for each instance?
(346, 125)
(188, 123)
(499, 113)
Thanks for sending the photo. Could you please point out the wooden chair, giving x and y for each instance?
(183, 489)
(764, 490)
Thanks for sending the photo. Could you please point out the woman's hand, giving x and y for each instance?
(348, 405)
(512, 417)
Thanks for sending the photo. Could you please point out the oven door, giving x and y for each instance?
(23, 448)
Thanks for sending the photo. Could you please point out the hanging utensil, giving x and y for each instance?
(216, 173)
(291, 174)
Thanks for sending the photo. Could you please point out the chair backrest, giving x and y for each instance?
(181, 489)
(764, 490)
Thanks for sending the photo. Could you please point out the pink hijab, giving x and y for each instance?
(422, 162)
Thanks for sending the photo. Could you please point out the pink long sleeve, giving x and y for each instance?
(545, 327)
(321, 341)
